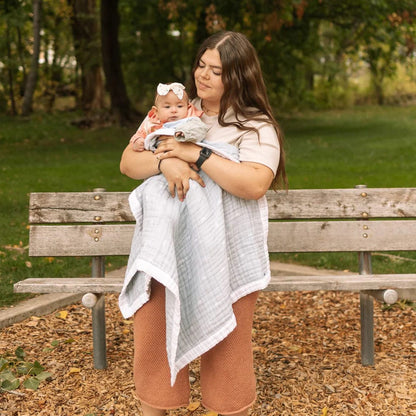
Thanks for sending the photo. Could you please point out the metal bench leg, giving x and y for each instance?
(367, 329)
(98, 318)
(98, 333)
(366, 315)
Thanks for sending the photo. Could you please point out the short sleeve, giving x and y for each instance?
(260, 148)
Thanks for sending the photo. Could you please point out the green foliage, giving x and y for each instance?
(309, 50)
(55, 344)
(401, 304)
(16, 372)
(157, 46)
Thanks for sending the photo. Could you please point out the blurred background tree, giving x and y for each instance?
(106, 57)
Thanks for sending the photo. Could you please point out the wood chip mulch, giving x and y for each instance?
(307, 355)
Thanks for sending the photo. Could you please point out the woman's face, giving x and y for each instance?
(208, 77)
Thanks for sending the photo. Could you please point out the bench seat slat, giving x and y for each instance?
(69, 285)
(350, 282)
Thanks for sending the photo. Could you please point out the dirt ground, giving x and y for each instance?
(307, 356)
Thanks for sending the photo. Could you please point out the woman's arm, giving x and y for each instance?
(246, 180)
(138, 165)
(142, 165)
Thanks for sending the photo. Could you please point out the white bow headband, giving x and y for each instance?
(176, 87)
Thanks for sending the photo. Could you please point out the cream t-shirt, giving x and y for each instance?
(262, 148)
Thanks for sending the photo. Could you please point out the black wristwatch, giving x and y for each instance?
(204, 154)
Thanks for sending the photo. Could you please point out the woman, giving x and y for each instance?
(227, 84)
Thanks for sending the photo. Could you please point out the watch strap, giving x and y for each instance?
(204, 154)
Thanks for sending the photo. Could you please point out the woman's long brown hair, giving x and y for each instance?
(244, 88)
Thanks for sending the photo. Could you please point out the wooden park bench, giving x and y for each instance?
(361, 220)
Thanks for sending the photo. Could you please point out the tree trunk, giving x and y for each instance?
(10, 71)
(33, 73)
(20, 50)
(120, 103)
(85, 31)
(377, 79)
(379, 91)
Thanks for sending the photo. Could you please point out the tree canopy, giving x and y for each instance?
(109, 55)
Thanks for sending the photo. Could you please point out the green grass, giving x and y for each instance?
(375, 146)
(369, 145)
(372, 146)
(47, 153)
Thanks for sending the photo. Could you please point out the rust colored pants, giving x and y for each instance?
(228, 382)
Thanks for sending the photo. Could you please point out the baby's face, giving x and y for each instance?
(170, 108)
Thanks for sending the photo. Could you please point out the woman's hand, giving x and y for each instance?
(178, 174)
(169, 147)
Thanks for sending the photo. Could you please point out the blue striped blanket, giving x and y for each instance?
(208, 251)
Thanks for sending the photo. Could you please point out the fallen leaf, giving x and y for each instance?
(193, 406)
(62, 314)
(74, 370)
(330, 388)
(31, 383)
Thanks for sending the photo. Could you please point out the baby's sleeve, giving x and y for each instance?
(142, 131)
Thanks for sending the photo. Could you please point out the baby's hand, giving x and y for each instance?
(138, 145)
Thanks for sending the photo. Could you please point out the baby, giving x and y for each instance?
(171, 115)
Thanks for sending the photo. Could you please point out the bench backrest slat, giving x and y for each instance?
(342, 220)
(343, 203)
(115, 239)
(79, 207)
(96, 207)
(91, 240)
(321, 236)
